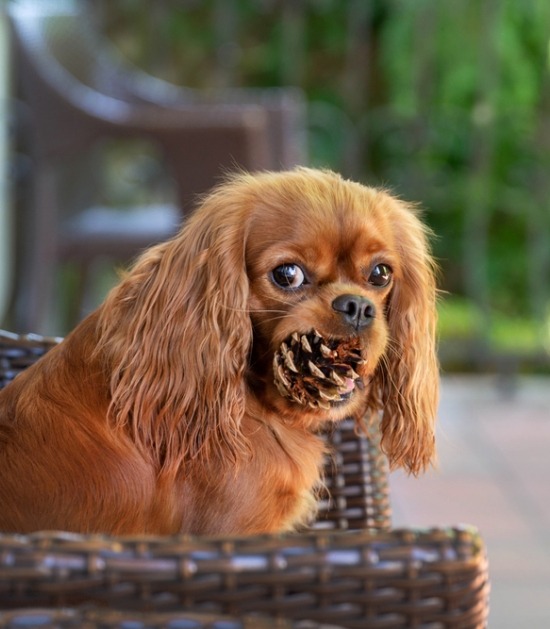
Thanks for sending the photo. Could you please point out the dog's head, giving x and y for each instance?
(311, 294)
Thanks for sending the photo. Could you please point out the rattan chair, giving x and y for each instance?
(78, 94)
(350, 570)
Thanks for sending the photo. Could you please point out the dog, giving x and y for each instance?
(192, 400)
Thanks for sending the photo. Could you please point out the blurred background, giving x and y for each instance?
(445, 103)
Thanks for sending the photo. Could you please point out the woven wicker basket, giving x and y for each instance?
(350, 570)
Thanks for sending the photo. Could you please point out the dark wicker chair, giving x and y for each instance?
(350, 570)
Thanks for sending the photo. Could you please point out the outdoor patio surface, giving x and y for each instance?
(494, 473)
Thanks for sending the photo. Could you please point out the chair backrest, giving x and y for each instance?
(79, 91)
(34, 27)
(61, 53)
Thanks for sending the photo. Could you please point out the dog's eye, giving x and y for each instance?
(289, 276)
(380, 276)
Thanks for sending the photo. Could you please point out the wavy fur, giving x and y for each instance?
(184, 306)
(158, 413)
(407, 379)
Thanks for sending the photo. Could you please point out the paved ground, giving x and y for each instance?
(494, 472)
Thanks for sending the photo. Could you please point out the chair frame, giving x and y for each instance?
(351, 569)
(78, 93)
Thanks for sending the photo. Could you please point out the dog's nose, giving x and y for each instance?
(356, 310)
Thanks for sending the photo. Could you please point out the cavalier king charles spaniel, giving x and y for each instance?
(192, 400)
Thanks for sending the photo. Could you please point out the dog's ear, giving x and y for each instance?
(177, 333)
(406, 383)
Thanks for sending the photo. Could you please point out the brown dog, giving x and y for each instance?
(191, 400)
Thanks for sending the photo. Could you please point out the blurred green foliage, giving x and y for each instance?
(446, 103)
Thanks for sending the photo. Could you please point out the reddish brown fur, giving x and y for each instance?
(158, 413)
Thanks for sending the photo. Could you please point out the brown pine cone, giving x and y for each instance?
(309, 369)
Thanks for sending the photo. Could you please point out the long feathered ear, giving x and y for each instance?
(177, 334)
(407, 379)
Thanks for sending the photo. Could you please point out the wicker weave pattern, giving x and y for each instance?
(351, 571)
(399, 576)
(17, 352)
(108, 619)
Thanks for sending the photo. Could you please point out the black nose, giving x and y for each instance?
(356, 310)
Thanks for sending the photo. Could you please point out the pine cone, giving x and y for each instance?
(314, 371)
